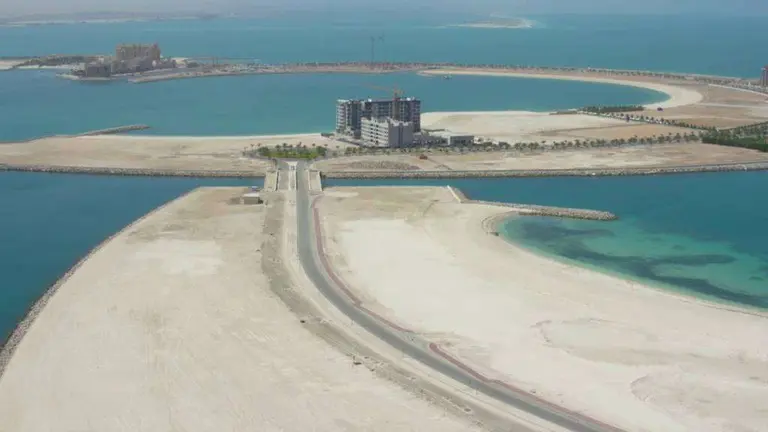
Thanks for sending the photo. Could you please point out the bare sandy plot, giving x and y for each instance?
(513, 126)
(563, 333)
(173, 326)
(155, 152)
(133, 152)
(663, 155)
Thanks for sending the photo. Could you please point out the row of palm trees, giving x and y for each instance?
(489, 146)
(257, 150)
(649, 119)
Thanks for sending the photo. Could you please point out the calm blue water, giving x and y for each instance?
(49, 221)
(699, 233)
(35, 103)
(718, 45)
(703, 234)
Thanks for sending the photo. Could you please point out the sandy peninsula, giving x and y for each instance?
(692, 102)
(9, 64)
(153, 153)
(173, 325)
(678, 96)
(560, 332)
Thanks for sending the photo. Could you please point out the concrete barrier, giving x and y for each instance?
(315, 182)
(270, 181)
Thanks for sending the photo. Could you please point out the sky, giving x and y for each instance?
(509, 7)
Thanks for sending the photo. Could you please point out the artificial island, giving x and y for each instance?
(296, 307)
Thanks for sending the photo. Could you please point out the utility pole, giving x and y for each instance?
(375, 39)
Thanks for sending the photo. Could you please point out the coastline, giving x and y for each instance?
(156, 345)
(495, 223)
(550, 328)
(576, 172)
(9, 346)
(677, 96)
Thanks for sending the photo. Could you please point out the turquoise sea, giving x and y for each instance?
(35, 103)
(701, 234)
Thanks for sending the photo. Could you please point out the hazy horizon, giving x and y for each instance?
(481, 7)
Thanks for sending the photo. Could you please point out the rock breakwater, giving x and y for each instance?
(115, 130)
(538, 210)
(130, 171)
(576, 172)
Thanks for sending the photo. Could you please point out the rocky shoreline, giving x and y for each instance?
(129, 171)
(576, 172)
(387, 174)
(8, 347)
(538, 210)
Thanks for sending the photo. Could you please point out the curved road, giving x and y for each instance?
(319, 271)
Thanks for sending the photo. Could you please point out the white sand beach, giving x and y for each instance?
(173, 326)
(678, 96)
(629, 355)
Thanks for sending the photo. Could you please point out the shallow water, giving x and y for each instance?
(702, 234)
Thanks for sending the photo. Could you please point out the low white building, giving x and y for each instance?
(386, 132)
(454, 140)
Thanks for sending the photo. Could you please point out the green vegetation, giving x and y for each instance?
(735, 139)
(612, 109)
(286, 151)
(58, 60)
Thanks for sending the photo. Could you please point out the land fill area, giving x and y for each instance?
(176, 324)
(690, 101)
(628, 355)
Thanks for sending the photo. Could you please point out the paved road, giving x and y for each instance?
(409, 343)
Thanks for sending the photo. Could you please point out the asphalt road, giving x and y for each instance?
(409, 343)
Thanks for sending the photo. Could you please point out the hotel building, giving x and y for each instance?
(350, 113)
(386, 132)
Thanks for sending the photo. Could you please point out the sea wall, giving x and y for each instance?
(130, 171)
(577, 172)
(115, 130)
(539, 210)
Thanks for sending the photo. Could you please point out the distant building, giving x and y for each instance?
(350, 113)
(386, 132)
(764, 77)
(97, 70)
(139, 58)
(129, 52)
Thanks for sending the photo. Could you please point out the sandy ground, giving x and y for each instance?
(678, 96)
(544, 128)
(656, 155)
(173, 326)
(691, 102)
(152, 152)
(673, 364)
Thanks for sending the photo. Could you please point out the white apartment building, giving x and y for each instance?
(386, 132)
(350, 113)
